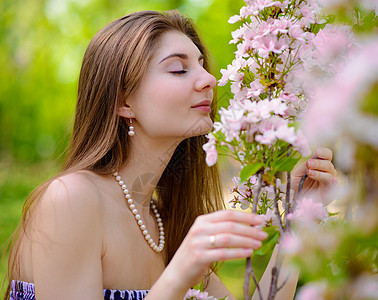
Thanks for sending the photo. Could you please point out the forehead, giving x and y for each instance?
(175, 42)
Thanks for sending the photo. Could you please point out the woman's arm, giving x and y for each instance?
(66, 241)
(213, 237)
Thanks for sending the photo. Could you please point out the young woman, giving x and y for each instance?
(136, 209)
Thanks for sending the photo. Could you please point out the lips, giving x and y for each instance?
(203, 105)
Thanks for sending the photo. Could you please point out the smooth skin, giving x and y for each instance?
(82, 236)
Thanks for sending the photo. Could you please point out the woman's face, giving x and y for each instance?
(173, 100)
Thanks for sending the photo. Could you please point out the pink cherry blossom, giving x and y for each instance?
(244, 194)
(278, 106)
(301, 144)
(211, 150)
(193, 294)
(270, 217)
(265, 45)
(234, 19)
(341, 95)
(286, 134)
(256, 88)
(331, 41)
(259, 5)
(268, 137)
(281, 25)
(239, 90)
(311, 291)
(288, 97)
(232, 120)
(308, 211)
(290, 243)
(241, 33)
(296, 32)
(281, 44)
(232, 71)
(246, 11)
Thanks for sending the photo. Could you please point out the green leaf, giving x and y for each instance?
(249, 170)
(287, 164)
(269, 242)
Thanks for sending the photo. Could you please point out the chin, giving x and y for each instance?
(201, 127)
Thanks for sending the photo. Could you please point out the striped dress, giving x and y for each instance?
(23, 290)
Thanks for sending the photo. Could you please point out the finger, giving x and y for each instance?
(322, 177)
(237, 229)
(321, 165)
(234, 216)
(226, 240)
(301, 169)
(323, 153)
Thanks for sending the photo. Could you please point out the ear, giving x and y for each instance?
(126, 111)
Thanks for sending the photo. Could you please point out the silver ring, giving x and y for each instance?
(212, 241)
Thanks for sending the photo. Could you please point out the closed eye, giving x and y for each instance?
(178, 72)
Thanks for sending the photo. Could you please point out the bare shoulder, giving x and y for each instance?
(76, 189)
(65, 244)
(72, 199)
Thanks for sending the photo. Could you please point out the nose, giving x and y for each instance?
(205, 81)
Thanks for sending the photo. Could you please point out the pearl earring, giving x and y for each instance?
(131, 128)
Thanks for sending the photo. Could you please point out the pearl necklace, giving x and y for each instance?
(139, 220)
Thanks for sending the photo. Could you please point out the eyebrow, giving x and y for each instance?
(180, 55)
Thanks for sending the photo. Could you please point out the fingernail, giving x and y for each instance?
(334, 180)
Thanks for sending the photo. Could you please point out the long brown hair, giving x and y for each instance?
(113, 66)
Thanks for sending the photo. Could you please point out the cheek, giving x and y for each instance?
(169, 89)
(164, 110)
(168, 97)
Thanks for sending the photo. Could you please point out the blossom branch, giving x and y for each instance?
(299, 192)
(258, 126)
(249, 268)
(276, 208)
(287, 201)
(273, 283)
(250, 272)
(257, 193)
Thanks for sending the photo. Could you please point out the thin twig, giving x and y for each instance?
(273, 283)
(299, 193)
(283, 283)
(270, 92)
(252, 272)
(275, 274)
(287, 201)
(249, 269)
(248, 272)
(257, 194)
(276, 208)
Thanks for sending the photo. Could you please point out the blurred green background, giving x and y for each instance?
(42, 43)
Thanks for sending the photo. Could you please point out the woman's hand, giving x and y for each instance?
(320, 171)
(218, 236)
